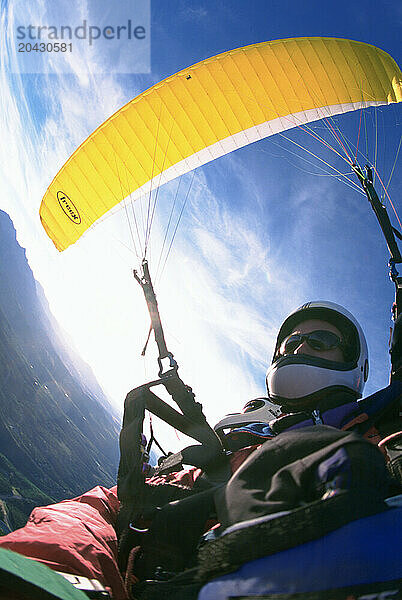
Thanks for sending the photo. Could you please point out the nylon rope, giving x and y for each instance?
(347, 142)
(312, 133)
(331, 126)
(394, 165)
(366, 133)
(326, 119)
(134, 216)
(152, 178)
(376, 159)
(153, 438)
(177, 225)
(376, 144)
(320, 139)
(348, 181)
(388, 196)
(351, 182)
(338, 138)
(126, 209)
(156, 194)
(168, 226)
(358, 134)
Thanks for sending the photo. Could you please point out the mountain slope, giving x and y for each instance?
(57, 428)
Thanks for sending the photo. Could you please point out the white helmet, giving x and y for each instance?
(296, 380)
(258, 410)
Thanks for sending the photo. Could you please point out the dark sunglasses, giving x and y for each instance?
(321, 340)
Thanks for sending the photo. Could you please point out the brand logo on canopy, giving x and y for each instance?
(68, 208)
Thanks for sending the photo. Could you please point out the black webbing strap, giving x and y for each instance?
(380, 212)
(132, 490)
(389, 232)
(156, 324)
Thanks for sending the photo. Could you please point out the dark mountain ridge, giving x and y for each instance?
(57, 430)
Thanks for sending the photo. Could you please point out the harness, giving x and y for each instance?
(147, 519)
(164, 522)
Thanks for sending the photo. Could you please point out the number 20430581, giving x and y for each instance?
(42, 47)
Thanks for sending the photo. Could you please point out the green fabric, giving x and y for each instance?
(28, 577)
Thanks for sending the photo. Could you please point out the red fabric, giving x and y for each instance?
(185, 478)
(240, 456)
(75, 536)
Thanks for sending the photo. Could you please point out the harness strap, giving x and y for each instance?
(388, 231)
(156, 324)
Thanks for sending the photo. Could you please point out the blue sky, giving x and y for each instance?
(263, 230)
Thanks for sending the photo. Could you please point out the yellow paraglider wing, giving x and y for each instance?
(208, 110)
